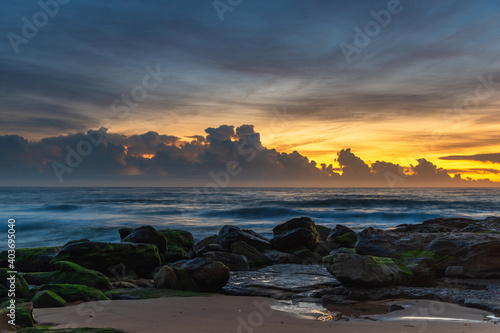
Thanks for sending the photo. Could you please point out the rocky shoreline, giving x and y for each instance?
(450, 259)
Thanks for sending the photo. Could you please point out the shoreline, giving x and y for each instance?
(221, 313)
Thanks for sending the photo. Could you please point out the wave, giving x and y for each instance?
(61, 207)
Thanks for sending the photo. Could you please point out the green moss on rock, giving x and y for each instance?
(22, 286)
(31, 259)
(47, 299)
(179, 244)
(347, 240)
(75, 292)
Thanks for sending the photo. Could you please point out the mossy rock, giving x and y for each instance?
(70, 273)
(308, 257)
(31, 259)
(346, 240)
(184, 280)
(179, 244)
(47, 299)
(255, 258)
(24, 315)
(22, 287)
(424, 254)
(105, 257)
(75, 292)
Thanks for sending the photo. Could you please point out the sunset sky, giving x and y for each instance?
(394, 81)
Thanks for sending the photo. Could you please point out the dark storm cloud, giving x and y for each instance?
(493, 158)
(93, 51)
(225, 154)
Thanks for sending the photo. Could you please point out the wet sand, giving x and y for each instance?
(256, 314)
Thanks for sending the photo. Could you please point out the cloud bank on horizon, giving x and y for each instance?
(225, 156)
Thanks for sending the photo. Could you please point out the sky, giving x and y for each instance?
(250, 93)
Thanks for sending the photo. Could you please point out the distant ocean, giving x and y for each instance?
(54, 216)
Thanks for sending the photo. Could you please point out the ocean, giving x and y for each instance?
(54, 216)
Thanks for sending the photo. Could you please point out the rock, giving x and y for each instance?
(124, 232)
(148, 235)
(76, 241)
(12, 282)
(254, 257)
(455, 271)
(343, 235)
(204, 242)
(308, 257)
(438, 225)
(423, 269)
(395, 307)
(343, 250)
(208, 275)
(278, 257)
(295, 234)
(323, 232)
(210, 248)
(184, 281)
(234, 262)
(47, 299)
(106, 257)
(31, 259)
(74, 292)
(478, 253)
(164, 277)
(179, 245)
(230, 234)
(24, 316)
(70, 273)
(280, 281)
(369, 271)
(473, 228)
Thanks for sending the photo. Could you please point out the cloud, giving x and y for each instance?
(226, 155)
(493, 158)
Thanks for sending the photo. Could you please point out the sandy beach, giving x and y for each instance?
(256, 314)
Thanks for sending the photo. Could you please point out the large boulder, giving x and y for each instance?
(295, 234)
(68, 272)
(148, 235)
(278, 257)
(204, 242)
(234, 262)
(164, 277)
(368, 271)
(423, 269)
(31, 259)
(254, 257)
(231, 234)
(74, 292)
(208, 275)
(179, 245)
(105, 257)
(47, 299)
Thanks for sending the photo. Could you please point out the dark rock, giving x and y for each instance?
(343, 235)
(473, 228)
(368, 271)
(278, 257)
(76, 241)
(455, 271)
(148, 235)
(280, 281)
(343, 250)
(208, 275)
(308, 257)
(31, 259)
(423, 269)
(20, 285)
(210, 248)
(179, 245)
(375, 242)
(395, 307)
(231, 234)
(124, 232)
(254, 257)
(323, 232)
(295, 234)
(47, 299)
(235, 262)
(24, 316)
(71, 273)
(164, 277)
(105, 257)
(204, 242)
(74, 292)
(438, 225)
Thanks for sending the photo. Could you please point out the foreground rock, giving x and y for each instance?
(280, 281)
(105, 257)
(47, 299)
(179, 245)
(295, 234)
(234, 262)
(231, 234)
(148, 235)
(74, 292)
(32, 259)
(368, 271)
